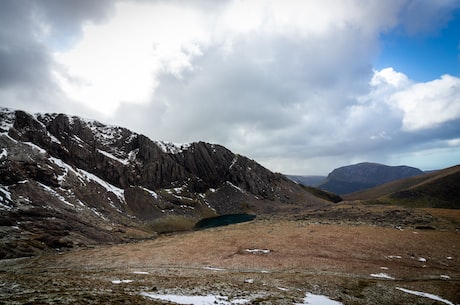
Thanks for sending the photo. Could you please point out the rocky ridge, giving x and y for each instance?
(67, 181)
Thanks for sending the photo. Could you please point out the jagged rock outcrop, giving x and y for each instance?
(109, 178)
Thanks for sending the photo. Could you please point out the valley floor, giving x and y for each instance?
(267, 261)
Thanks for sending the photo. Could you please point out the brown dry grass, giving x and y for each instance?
(293, 246)
(332, 259)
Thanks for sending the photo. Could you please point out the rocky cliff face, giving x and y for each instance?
(352, 178)
(66, 181)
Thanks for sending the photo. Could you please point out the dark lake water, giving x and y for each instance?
(223, 220)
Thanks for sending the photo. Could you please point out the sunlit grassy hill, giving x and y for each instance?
(440, 189)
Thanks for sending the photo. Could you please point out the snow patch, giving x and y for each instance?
(106, 134)
(140, 272)
(36, 147)
(176, 190)
(152, 193)
(425, 295)
(121, 281)
(234, 186)
(131, 137)
(213, 269)
(65, 167)
(171, 148)
(194, 299)
(445, 277)
(54, 139)
(7, 119)
(6, 192)
(4, 153)
(209, 205)
(421, 259)
(109, 187)
(258, 251)
(132, 155)
(5, 197)
(97, 213)
(315, 299)
(382, 276)
(109, 155)
(235, 159)
(56, 194)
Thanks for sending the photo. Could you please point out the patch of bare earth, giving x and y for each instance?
(264, 262)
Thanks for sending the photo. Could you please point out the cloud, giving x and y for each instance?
(23, 59)
(288, 83)
(430, 104)
(29, 30)
(388, 78)
(423, 105)
(118, 61)
(278, 92)
(123, 59)
(61, 20)
(265, 93)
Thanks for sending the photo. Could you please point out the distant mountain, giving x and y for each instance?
(67, 181)
(307, 180)
(353, 178)
(439, 189)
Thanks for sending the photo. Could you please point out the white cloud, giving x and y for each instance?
(427, 105)
(389, 77)
(420, 105)
(118, 61)
(288, 83)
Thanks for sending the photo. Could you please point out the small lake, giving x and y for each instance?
(223, 220)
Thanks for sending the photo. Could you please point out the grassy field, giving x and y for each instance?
(267, 261)
(439, 189)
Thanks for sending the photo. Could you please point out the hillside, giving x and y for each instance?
(440, 189)
(356, 177)
(261, 262)
(67, 181)
(313, 180)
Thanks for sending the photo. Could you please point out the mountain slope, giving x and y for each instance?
(307, 180)
(440, 189)
(352, 178)
(66, 181)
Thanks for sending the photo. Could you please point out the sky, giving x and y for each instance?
(300, 86)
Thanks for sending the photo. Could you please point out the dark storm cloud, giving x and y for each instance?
(23, 60)
(25, 65)
(65, 17)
